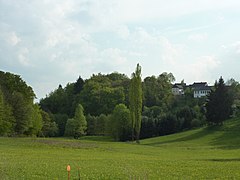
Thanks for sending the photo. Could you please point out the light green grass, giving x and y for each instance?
(206, 153)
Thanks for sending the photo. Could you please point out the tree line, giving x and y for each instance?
(18, 113)
(112, 105)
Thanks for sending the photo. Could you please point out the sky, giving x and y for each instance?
(52, 42)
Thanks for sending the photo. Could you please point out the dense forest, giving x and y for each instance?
(101, 105)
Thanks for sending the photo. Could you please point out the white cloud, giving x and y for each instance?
(172, 52)
(195, 28)
(63, 8)
(70, 68)
(198, 37)
(232, 49)
(85, 37)
(201, 69)
(158, 47)
(123, 32)
(223, 46)
(126, 11)
(113, 56)
(13, 39)
(236, 47)
(23, 57)
(141, 37)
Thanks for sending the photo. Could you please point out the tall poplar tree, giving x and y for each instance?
(135, 100)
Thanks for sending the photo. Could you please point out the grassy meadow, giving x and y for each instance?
(205, 153)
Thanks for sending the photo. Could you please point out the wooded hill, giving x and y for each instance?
(105, 107)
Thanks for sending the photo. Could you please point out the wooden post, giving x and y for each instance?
(68, 170)
(78, 173)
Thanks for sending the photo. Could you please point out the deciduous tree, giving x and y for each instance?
(120, 123)
(76, 126)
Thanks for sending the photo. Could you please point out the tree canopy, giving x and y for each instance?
(19, 115)
(114, 105)
(76, 126)
(120, 123)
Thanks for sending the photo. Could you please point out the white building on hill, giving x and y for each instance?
(178, 89)
(200, 89)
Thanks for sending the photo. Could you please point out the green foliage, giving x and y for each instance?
(70, 127)
(91, 125)
(8, 123)
(49, 128)
(36, 121)
(78, 86)
(150, 89)
(22, 111)
(120, 123)
(11, 83)
(153, 111)
(58, 101)
(18, 114)
(167, 124)
(187, 99)
(76, 126)
(60, 120)
(149, 127)
(101, 123)
(158, 102)
(81, 123)
(219, 105)
(187, 115)
(135, 99)
(158, 91)
(1, 107)
(158, 123)
(6, 118)
(101, 93)
(195, 123)
(63, 100)
(234, 90)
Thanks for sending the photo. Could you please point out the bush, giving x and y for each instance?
(168, 125)
(195, 123)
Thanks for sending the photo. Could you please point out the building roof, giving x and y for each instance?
(198, 86)
(202, 88)
(179, 85)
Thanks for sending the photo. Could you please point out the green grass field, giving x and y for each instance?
(206, 153)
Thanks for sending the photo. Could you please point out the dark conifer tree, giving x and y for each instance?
(78, 86)
(219, 104)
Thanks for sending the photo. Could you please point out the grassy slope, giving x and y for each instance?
(204, 153)
(226, 137)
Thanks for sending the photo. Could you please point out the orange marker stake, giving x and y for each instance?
(68, 170)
